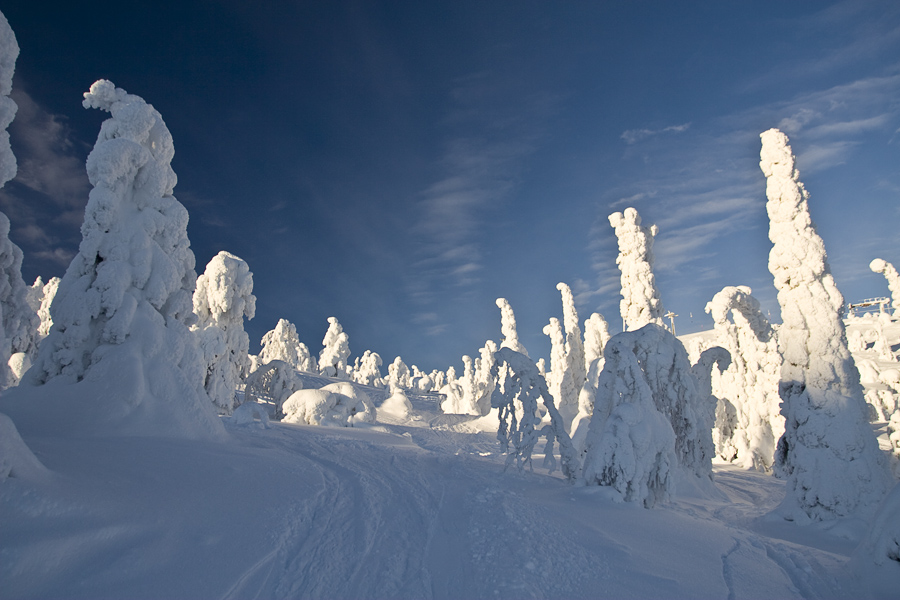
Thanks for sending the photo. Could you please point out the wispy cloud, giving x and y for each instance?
(45, 202)
(633, 136)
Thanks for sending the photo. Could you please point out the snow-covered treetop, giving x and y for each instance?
(508, 327)
(640, 302)
(893, 279)
(224, 293)
(739, 300)
(9, 52)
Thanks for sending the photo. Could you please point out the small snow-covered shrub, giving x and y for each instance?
(396, 405)
(272, 384)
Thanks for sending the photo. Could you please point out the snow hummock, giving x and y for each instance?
(828, 451)
(339, 403)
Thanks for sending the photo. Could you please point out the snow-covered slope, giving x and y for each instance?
(415, 508)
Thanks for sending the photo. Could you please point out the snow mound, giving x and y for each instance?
(336, 404)
(397, 405)
(16, 459)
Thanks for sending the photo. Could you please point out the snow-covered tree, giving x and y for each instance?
(560, 380)
(751, 422)
(640, 302)
(336, 351)
(893, 279)
(596, 334)
(124, 306)
(19, 321)
(40, 297)
(368, 370)
(828, 452)
(282, 343)
(452, 392)
(508, 327)
(630, 444)
(574, 344)
(519, 387)
(398, 374)
(223, 298)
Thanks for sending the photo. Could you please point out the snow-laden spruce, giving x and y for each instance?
(640, 302)
(748, 420)
(282, 343)
(630, 444)
(508, 327)
(574, 345)
(882, 266)
(367, 369)
(335, 351)
(122, 312)
(596, 335)
(19, 321)
(223, 298)
(828, 451)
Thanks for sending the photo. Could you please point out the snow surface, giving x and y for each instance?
(400, 509)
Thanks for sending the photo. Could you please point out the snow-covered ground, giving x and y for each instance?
(400, 509)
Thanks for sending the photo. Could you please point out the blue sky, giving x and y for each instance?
(399, 165)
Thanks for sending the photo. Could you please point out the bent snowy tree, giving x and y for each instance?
(123, 308)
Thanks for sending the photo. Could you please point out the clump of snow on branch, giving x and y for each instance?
(749, 422)
(123, 308)
(336, 404)
(828, 452)
(640, 302)
(336, 351)
(519, 387)
(630, 445)
(508, 327)
(223, 298)
(893, 279)
(282, 343)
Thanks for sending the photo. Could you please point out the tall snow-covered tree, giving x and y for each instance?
(828, 452)
(223, 298)
(398, 375)
(640, 302)
(750, 385)
(508, 327)
(893, 279)
(123, 308)
(19, 321)
(574, 343)
(559, 380)
(336, 351)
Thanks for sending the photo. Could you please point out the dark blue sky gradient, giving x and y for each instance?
(399, 165)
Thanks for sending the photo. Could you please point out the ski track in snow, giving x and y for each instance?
(418, 509)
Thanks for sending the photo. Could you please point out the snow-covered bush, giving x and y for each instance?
(828, 452)
(282, 343)
(396, 405)
(666, 370)
(367, 370)
(398, 374)
(508, 327)
(893, 279)
(640, 302)
(630, 444)
(519, 387)
(123, 308)
(272, 384)
(748, 422)
(223, 298)
(337, 404)
(336, 351)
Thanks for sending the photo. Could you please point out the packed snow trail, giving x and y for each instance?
(420, 509)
